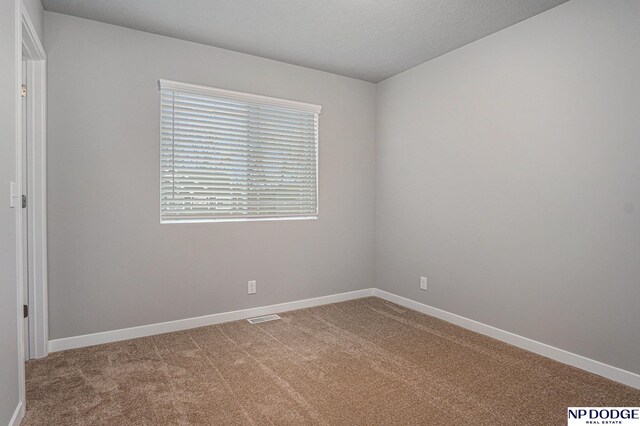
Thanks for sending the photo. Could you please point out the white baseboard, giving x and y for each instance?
(590, 365)
(596, 367)
(184, 324)
(18, 414)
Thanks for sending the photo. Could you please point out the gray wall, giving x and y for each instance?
(111, 263)
(8, 296)
(508, 172)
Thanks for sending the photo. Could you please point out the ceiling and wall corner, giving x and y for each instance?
(507, 172)
(366, 39)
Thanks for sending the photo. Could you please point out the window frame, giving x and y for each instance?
(255, 100)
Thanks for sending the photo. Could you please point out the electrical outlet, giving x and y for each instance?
(251, 287)
(423, 283)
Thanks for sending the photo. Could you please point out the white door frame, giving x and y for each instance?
(28, 44)
(37, 181)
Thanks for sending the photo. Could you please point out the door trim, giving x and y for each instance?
(29, 45)
(37, 203)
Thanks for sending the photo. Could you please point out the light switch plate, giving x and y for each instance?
(13, 193)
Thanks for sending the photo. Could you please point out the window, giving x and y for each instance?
(234, 156)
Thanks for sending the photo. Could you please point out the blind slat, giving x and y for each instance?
(203, 102)
(233, 145)
(205, 177)
(228, 159)
(193, 131)
(225, 149)
(213, 120)
(208, 115)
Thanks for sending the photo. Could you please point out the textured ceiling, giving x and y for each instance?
(366, 39)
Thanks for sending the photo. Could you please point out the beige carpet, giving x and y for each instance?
(363, 362)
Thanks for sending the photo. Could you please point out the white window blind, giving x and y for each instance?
(234, 156)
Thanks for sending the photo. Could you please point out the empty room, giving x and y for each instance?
(295, 212)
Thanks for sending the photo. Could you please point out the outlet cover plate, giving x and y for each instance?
(423, 283)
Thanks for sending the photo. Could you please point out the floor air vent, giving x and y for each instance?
(258, 320)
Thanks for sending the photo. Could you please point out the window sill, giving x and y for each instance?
(236, 219)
